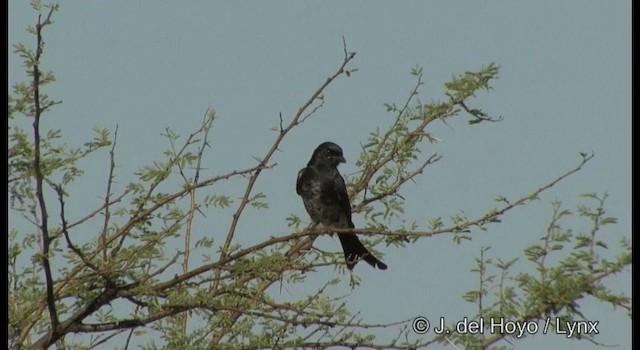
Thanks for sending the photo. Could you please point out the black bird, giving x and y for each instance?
(325, 197)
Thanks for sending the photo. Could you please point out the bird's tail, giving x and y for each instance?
(354, 250)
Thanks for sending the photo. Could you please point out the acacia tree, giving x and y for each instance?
(215, 293)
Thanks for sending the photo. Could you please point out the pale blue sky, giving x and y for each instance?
(564, 87)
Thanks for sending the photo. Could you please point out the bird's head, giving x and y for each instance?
(327, 153)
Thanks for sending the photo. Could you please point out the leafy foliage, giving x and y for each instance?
(551, 293)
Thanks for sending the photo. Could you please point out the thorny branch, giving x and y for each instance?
(207, 123)
(107, 197)
(40, 178)
(65, 230)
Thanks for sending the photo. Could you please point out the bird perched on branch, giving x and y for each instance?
(325, 198)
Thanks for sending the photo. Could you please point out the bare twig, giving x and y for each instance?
(93, 213)
(175, 160)
(398, 183)
(378, 163)
(100, 341)
(65, 230)
(170, 198)
(107, 197)
(478, 114)
(206, 126)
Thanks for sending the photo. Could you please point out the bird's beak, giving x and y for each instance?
(342, 160)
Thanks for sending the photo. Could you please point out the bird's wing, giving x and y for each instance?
(299, 181)
(343, 198)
